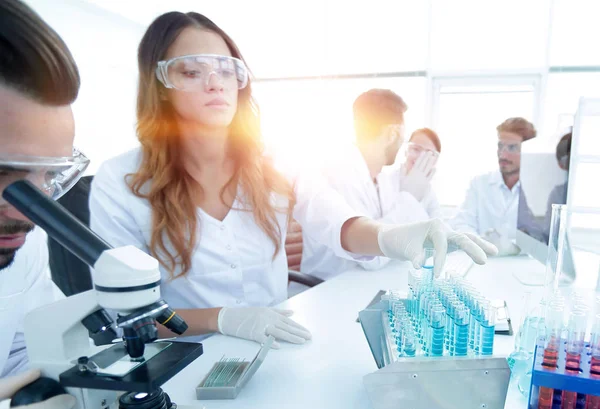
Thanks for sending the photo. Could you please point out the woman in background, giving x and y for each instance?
(414, 175)
(201, 197)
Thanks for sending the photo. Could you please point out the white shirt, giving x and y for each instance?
(24, 286)
(349, 175)
(489, 204)
(233, 262)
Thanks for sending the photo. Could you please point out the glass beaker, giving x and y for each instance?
(556, 248)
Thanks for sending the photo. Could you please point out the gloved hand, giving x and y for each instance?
(10, 385)
(257, 323)
(505, 246)
(416, 182)
(408, 242)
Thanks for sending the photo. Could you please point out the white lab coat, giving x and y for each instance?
(233, 262)
(24, 285)
(349, 175)
(489, 204)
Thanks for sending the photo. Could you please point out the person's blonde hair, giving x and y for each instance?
(519, 126)
(161, 178)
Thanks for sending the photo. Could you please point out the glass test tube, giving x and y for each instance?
(462, 316)
(487, 322)
(473, 303)
(554, 323)
(409, 342)
(436, 331)
(575, 343)
(592, 401)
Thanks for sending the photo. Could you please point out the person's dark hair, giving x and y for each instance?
(375, 109)
(519, 126)
(162, 180)
(34, 60)
(433, 137)
(563, 148)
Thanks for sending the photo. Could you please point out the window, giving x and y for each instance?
(466, 113)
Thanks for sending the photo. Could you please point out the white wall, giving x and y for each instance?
(105, 48)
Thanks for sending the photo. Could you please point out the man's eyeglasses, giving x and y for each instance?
(509, 147)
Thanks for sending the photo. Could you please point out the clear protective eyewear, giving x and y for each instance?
(194, 72)
(509, 147)
(52, 175)
(414, 149)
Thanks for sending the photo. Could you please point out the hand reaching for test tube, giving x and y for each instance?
(257, 323)
(409, 241)
(416, 180)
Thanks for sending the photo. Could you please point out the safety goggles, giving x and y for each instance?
(194, 72)
(509, 147)
(52, 175)
(414, 149)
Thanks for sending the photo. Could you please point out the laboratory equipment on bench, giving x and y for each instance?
(228, 376)
(126, 280)
(433, 346)
(566, 371)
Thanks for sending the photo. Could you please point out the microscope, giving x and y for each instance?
(126, 281)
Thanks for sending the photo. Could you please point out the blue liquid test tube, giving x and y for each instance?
(428, 261)
(462, 318)
(436, 331)
(472, 302)
(409, 343)
(487, 321)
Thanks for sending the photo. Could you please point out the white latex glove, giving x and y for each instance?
(408, 242)
(505, 246)
(257, 323)
(10, 385)
(416, 182)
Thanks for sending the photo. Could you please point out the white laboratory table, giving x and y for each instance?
(327, 371)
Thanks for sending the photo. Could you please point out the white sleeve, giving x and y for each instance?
(42, 291)
(110, 216)
(432, 205)
(467, 218)
(321, 211)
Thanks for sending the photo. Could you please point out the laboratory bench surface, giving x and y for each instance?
(327, 371)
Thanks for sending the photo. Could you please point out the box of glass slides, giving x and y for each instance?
(228, 376)
(421, 367)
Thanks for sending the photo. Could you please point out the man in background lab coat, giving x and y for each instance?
(355, 172)
(491, 206)
(38, 82)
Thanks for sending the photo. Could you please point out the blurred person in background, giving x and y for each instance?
(356, 172)
(414, 175)
(492, 201)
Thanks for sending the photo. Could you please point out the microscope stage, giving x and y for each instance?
(164, 360)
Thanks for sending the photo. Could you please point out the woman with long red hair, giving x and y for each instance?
(201, 196)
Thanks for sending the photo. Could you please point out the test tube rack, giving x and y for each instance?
(420, 382)
(585, 383)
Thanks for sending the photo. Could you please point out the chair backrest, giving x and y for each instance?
(69, 273)
(293, 245)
